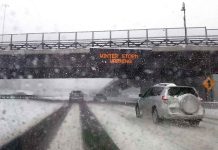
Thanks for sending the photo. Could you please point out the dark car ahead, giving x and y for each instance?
(100, 97)
(76, 96)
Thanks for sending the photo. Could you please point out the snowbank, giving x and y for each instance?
(17, 116)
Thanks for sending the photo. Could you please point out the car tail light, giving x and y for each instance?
(164, 99)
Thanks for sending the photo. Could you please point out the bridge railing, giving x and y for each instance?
(116, 38)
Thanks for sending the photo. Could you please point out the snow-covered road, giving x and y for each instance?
(118, 122)
(18, 116)
(131, 133)
(69, 135)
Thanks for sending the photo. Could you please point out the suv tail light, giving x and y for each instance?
(164, 99)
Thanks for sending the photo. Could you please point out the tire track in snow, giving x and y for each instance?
(94, 135)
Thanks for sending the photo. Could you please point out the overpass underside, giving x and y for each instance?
(163, 65)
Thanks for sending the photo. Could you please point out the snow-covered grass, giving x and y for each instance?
(131, 92)
(17, 116)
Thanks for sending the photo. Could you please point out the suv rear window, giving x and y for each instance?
(176, 91)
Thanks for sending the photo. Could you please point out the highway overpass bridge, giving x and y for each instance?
(147, 56)
(119, 53)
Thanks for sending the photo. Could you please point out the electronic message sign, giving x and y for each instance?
(116, 56)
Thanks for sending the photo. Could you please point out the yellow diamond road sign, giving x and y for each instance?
(209, 83)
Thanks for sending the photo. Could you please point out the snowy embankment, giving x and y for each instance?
(129, 95)
(18, 116)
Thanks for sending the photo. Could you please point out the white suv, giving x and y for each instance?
(169, 101)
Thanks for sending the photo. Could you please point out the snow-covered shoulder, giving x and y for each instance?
(18, 116)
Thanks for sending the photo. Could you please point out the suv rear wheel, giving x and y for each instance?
(155, 117)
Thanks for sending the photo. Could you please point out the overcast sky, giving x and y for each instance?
(77, 15)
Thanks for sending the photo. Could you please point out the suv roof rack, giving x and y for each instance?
(165, 84)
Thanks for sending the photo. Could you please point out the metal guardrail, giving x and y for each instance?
(19, 97)
(32, 97)
(115, 38)
(210, 105)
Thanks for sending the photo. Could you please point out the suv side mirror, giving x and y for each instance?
(140, 95)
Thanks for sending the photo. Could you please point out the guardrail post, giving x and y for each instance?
(166, 36)
(75, 39)
(206, 35)
(128, 37)
(93, 37)
(147, 37)
(26, 41)
(110, 37)
(59, 40)
(11, 42)
(43, 40)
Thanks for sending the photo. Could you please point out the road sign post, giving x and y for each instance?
(208, 84)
